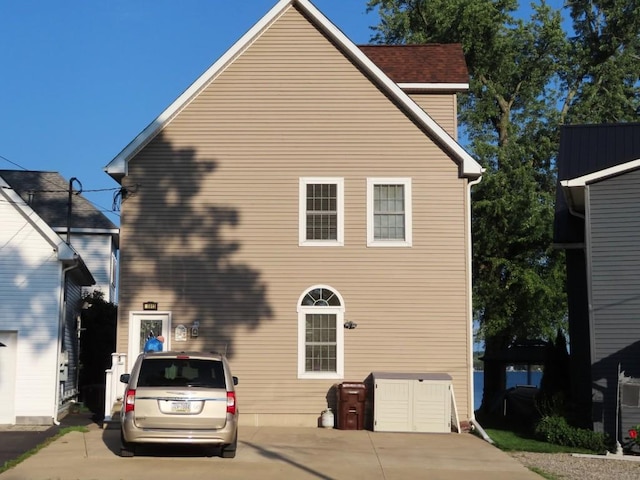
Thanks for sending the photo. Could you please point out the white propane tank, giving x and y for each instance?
(327, 418)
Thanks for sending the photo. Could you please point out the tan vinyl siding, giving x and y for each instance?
(215, 220)
(441, 107)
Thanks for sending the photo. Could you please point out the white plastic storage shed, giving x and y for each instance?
(411, 402)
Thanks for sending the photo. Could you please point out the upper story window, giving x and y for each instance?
(321, 211)
(320, 334)
(389, 217)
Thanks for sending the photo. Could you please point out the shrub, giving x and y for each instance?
(551, 405)
(556, 430)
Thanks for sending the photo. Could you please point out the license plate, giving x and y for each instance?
(180, 407)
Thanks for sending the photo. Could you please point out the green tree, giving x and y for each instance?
(602, 69)
(527, 77)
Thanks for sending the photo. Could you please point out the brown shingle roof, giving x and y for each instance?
(433, 63)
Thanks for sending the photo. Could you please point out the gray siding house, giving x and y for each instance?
(598, 224)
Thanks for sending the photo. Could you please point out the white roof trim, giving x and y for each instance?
(434, 86)
(97, 231)
(601, 174)
(118, 166)
(574, 188)
(64, 251)
(468, 166)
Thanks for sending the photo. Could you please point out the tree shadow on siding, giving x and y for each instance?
(29, 309)
(178, 239)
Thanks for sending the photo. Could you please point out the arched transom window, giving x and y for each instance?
(320, 334)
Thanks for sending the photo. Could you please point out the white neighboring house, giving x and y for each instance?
(42, 280)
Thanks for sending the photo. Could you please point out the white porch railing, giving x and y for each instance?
(114, 390)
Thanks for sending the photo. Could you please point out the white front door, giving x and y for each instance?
(8, 352)
(144, 324)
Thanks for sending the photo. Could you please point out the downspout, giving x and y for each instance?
(472, 418)
(62, 314)
(480, 430)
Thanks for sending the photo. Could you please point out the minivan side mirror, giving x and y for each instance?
(235, 380)
(124, 378)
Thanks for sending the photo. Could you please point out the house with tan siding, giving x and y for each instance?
(304, 207)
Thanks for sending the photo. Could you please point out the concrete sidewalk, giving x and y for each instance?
(16, 440)
(278, 453)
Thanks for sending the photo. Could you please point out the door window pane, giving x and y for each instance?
(149, 328)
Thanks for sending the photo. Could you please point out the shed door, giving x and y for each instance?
(431, 406)
(8, 376)
(392, 405)
(412, 405)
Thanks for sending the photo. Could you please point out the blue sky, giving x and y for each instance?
(81, 78)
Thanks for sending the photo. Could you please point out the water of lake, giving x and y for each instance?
(513, 379)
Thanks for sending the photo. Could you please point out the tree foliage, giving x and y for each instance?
(602, 69)
(97, 343)
(528, 76)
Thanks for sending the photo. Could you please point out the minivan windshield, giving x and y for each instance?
(181, 372)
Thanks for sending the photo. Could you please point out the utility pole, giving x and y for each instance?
(70, 206)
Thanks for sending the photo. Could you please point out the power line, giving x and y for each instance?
(18, 231)
(113, 189)
(12, 163)
(100, 208)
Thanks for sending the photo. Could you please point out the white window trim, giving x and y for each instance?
(339, 313)
(408, 215)
(302, 216)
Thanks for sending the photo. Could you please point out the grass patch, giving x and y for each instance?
(79, 408)
(542, 473)
(510, 441)
(62, 432)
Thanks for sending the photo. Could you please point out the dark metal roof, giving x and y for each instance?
(47, 193)
(586, 149)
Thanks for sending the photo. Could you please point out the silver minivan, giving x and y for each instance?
(179, 398)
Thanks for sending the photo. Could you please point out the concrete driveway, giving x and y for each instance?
(278, 453)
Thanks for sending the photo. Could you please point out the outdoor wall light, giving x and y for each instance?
(350, 325)
(150, 306)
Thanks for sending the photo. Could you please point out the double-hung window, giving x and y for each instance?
(389, 212)
(320, 334)
(321, 211)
